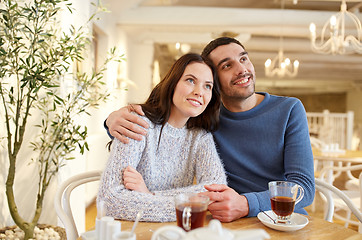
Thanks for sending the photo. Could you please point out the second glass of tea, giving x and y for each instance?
(191, 210)
(283, 197)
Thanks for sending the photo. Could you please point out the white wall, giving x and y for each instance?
(26, 183)
(140, 61)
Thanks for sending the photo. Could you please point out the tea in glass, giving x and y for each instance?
(191, 210)
(283, 198)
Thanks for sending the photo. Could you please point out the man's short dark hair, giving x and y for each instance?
(218, 42)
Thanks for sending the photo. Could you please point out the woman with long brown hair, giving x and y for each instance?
(182, 111)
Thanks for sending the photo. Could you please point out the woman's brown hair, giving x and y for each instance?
(157, 107)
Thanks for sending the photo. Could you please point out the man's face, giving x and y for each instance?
(235, 70)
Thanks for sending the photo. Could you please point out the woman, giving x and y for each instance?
(181, 111)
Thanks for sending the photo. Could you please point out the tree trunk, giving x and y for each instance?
(27, 227)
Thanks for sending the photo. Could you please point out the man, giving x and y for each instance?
(261, 137)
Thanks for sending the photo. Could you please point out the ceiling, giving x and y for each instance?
(258, 25)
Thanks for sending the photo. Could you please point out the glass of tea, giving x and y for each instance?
(191, 210)
(283, 197)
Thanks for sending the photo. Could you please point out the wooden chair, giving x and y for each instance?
(62, 200)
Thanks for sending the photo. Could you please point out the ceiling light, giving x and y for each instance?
(333, 39)
(180, 49)
(280, 66)
(177, 45)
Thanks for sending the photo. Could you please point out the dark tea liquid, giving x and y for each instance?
(198, 214)
(282, 206)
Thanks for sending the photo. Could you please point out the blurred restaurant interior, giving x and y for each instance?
(153, 33)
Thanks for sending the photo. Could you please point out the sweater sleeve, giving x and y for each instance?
(209, 168)
(107, 129)
(122, 203)
(298, 163)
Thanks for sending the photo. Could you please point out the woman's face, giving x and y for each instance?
(192, 94)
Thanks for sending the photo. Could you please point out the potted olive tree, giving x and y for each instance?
(35, 58)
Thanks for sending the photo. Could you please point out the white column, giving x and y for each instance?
(140, 62)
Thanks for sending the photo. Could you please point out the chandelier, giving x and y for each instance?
(338, 42)
(280, 66)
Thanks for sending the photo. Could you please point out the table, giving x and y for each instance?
(317, 228)
(348, 156)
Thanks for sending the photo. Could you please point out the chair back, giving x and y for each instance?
(335, 171)
(62, 200)
(317, 143)
(326, 189)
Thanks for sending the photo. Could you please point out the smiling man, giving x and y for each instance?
(261, 137)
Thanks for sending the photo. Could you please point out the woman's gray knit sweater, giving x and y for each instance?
(167, 169)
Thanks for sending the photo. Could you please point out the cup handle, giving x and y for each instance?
(301, 194)
(186, 218)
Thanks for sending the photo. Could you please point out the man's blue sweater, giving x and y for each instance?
(267, 143)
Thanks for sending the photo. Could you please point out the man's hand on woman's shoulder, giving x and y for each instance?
(123, 124)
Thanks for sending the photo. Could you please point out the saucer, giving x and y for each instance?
(298, 221)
